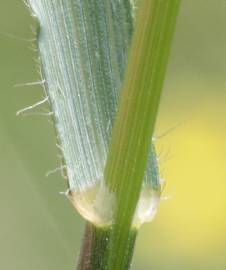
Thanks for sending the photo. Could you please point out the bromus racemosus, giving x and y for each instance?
(90, 50)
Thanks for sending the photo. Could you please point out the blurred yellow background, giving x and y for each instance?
(40, 230)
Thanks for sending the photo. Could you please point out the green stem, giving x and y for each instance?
(134, 124)
(96, 246)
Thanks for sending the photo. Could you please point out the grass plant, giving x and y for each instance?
(104, 64)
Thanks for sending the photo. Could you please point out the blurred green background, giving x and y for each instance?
(39, 229)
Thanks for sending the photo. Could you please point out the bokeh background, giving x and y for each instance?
(38, 227)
